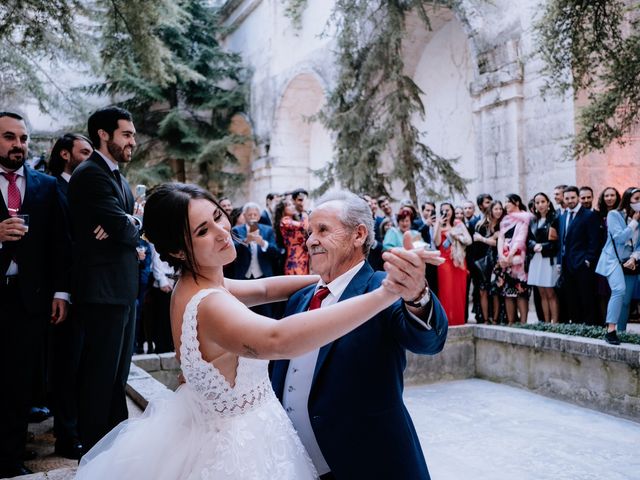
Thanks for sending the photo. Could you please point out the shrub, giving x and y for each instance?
(580, 330)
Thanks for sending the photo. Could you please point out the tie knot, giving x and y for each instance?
(318, 297)
(10, 176)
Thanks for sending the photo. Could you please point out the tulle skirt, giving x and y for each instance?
(175, 439)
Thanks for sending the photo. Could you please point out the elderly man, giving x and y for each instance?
(257, 250)
(345, 399)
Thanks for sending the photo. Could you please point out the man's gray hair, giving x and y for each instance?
(355, 211)
(250, 205)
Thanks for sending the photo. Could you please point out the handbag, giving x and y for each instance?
(625, 270)
(484, 266)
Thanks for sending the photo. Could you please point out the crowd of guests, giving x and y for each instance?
(576, 259)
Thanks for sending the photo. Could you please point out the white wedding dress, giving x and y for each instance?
(207, 429)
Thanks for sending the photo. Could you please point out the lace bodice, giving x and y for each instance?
(252, 386)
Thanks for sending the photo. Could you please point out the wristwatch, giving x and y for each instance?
(421, 300)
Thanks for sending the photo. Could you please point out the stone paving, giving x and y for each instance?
(474, 429)
(49, 465)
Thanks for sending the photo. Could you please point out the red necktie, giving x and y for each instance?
(14, 200)
(318, 297)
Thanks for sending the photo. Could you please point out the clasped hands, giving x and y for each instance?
(405, 268)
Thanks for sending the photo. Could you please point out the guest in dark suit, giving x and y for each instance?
(105, 272)
(33, 282)
(266, 217)
(68, 152)
(345, 399)
(257, 250)
(579, 242)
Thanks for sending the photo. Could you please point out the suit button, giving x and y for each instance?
(316, 417)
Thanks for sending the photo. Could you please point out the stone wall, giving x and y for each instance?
(583, 371)
(163, 367)
(477, 67)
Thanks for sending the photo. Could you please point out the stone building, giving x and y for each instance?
(481, 80)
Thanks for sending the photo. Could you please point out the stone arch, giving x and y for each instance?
(449, 119)
(298, 144)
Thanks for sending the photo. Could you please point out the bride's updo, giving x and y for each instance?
(166, 223)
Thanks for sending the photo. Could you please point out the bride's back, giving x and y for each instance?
(225, 362)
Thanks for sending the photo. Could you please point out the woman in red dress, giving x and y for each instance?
(291, 234)
(452, 274)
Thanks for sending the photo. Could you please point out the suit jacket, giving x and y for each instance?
(580, 243)
(622, 234)
(265, 219)
(355, 403)
(40, 254)
(104, 271)
(266, 259)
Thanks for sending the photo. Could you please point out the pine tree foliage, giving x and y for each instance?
(372, 108)
(32, 32)
(182, 112)
(294, 10)
(593, 46)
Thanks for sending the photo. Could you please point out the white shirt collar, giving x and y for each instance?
(112, 165)
(19, 172)
(66, 176)
(575, 210)
(339, 285)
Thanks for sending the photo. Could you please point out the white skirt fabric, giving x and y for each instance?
(175, 440)
(541, 272)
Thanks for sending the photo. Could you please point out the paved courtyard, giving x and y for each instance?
(474, 429)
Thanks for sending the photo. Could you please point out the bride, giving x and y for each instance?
(224, 422)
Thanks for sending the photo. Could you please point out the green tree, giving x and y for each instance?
(33, 32)
(593, 46)
(184, 109)
(373, 105)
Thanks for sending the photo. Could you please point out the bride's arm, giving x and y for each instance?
(267, 290)
(226, 321)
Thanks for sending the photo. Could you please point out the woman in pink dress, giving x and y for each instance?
(452, 274)
(511, 276)
(291, 234)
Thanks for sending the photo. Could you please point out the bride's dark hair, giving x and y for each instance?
(166, 223)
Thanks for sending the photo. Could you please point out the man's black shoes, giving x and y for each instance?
(612, 338)
(39, 414)
(14, 471)
(72, 450)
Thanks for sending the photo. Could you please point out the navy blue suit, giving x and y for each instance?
(355, 403)
(579, 244)
(265, 219)
(266, 259)
(25, 305)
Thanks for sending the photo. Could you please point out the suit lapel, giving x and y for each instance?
(30, 189)
(242, 230)
(97, 158)
(357, 286)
